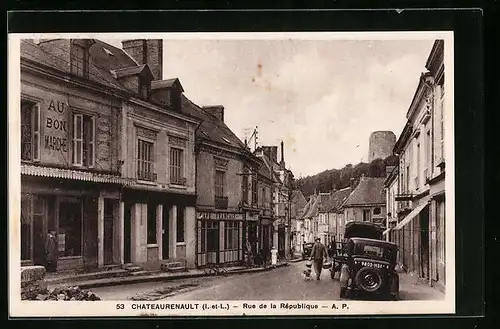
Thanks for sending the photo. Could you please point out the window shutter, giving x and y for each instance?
(77, 139)
(36, 132)
(91, 139)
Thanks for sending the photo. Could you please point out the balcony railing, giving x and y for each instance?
(403, 206)
(403, 197)
(221, 202)
(146, 175)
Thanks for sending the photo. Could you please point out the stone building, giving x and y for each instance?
(297, 204)
(381, 145)
(335, 213)
(366, 203)
(420, 231)
(227, 213)
(98, 162)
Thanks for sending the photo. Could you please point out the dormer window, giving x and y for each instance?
(79, 58)
(144, 90)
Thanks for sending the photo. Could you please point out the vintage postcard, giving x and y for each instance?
(189, 174)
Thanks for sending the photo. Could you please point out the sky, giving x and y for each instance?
(322, 98)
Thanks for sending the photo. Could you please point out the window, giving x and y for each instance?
(151, 223)
(180, 224)
(145, 160)
(176, 166)
(30, 131)
(220, 193)
(366, 215)
(70, 227)
(376, 211)
(231, 235)
(144, 90)
(79, 60)
(219, 183)
(254, 191)
(83, 140)
(428, 153)
(245, 187)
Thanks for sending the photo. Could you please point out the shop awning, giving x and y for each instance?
(386, 231)
(411, 215)
(51, 172)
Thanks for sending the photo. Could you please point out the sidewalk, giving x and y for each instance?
(123, 277)
(411, 287)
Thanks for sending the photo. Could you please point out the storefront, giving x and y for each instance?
(220, 237)
(80, 208)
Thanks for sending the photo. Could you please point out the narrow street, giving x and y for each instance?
(284, 283)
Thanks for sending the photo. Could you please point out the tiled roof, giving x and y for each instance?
(100, 59)
(211, 128)
(165, 83)
(298, 202)
(337, 199)
(369, 191)
(127, 71)
(313, 209)
(264, 169)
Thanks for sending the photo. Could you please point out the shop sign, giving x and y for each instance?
(220, 216)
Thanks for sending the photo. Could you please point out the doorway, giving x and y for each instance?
(109, 210)
(424, 242)
(165, 236)
(126, 232)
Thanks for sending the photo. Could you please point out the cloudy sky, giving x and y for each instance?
(323, 98)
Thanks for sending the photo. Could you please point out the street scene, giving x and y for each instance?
(185, 169)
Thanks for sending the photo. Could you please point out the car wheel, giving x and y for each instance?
(369, 279)
(343, 292)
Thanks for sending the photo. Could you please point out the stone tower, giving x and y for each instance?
(381, 145)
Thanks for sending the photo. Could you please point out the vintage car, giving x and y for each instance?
(306, 250)
(370, 268)
(353, 229)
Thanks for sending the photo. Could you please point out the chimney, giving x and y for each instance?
(274, 153)
(147, 52)
(215, 110)
(282, 162)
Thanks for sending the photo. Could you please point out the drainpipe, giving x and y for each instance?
(196, 192)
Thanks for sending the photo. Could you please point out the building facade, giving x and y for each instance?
(335, 213)
(297, 204)
(421, 219)
(107, 158)
(227, 213)
(367, 201)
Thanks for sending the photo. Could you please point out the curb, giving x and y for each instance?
(157, 278)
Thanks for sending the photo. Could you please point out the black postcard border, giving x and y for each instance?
(467, 25)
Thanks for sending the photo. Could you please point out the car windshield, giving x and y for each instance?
(373, 251)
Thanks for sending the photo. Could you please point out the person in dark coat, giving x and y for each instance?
(51, 252)
(318, 255)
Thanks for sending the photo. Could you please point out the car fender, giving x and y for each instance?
(344, 275)
(394, 288)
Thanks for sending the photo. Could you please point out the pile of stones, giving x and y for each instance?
(66, 293)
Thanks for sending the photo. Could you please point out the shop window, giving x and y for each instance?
(180, 224)
(145, 162)
(70, 228)
(30, 131)
(176, 166)
(79, 60)
(231, 235)
(26, 229)
(83, 140)
(151, 223)
(376, 211)
(212, 229)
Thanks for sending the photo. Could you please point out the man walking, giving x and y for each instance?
(318, 254)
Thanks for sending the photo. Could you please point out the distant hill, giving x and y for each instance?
(340, 178)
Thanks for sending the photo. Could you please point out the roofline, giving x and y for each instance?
(392, 176)
(403, 138)
(437, 47)
(138, 101)
(419, 92)
(363, 204)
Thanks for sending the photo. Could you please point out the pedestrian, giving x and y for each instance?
(318, 255)
(51, 252)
